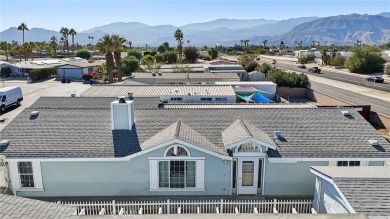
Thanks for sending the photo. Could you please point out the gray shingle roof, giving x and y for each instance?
(181, 131)
(18, 207)
(366, 188)
(71, 132)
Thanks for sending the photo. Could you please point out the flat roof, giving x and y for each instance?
(366, 172)
(158, 90)
(186, 75)
(238, 83)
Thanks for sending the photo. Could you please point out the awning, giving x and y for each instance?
(246, 97)
(259, 98)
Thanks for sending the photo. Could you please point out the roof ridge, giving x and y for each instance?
(245, 127)
(177, 132)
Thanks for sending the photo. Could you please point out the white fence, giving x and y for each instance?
(191, 207)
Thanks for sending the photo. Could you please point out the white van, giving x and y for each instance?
(10, 96)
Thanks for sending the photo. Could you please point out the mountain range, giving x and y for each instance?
(342, 29)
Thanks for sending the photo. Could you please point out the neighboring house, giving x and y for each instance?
(107, 147)
(76, 70)
(18, 207)
(181, 78)
(256, 76)
(23, 68)
(353, 189)
(167, 93)
(227, 69)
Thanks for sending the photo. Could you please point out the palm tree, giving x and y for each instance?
(242, 42)
(334, 52)
(90, 42)
(300, 43)
(23, 27)
(130, 43)
(265, 43)
(65, 33)
(188, 42)
(73, 33)
(313, 43)
(118, 49)
(53, 43)
(29, 47)
(5, 47)
(62, 43)
(323, 55)
(179, 38)
(106, 45)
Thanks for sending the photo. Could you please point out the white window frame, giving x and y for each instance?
(20, 175)
(169, 174)
(154, 173)
(175, 149)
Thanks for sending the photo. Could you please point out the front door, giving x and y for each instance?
(247, 176)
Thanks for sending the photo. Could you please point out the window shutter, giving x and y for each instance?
(153, 168)
(200, 174)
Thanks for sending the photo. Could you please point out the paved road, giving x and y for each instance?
(352, 79)
(377, 105)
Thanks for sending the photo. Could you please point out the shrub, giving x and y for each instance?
(147, 53)
(135, 52)
(159, 58)
(191, 54)
(87, 77)
(37, 74)
(288, 79)
(170, 57)
(83, 53)
(306, 58)
(5, 72)
(365, 60)
(251, 66)
(213, 53)
(387, 70)
(205, 57)
(129, 64)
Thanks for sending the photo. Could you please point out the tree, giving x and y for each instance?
(23, 27)
(151, 64)
(28, 48)
(324, 52)
(309, 57)
(161, 49)
(5, 47)
(53, 44)
(213, 53)
(166, 44)
(288, 79)
(365, 60)
(179, 38)
(83, 53)
(338, 61)
(136, 53)
(73, 33)
(170, 57)
(387, 69)
(106, 45)
(65, 33)
(130, 64)
(130, 43)
(265, 43)
(118, 49)
(191, 54)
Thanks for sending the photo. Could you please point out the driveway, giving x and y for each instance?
(31, 92)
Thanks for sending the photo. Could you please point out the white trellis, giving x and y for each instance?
(191, 207)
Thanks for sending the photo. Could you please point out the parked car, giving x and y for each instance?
(301, 66)
(273, 61)
(10, 96)
(314, 70)
(376, 79)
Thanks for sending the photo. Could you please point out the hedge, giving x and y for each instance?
(42, 73)
(87, 77)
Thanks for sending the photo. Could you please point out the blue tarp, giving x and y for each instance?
(258, 98)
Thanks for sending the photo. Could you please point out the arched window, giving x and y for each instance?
(249, 147)
(178, 151)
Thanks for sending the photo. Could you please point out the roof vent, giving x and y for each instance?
(72, 95)
(130, 95)
(176, 90)
(153, 74)
(279, 136)
(346, 113)
(34, 113)
(122, 99)
(4, 143)
(373, 142)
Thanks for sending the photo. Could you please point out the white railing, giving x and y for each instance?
(190, 207)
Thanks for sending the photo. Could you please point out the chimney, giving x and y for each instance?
(122, 114)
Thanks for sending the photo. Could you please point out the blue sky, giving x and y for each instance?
(85, 14)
